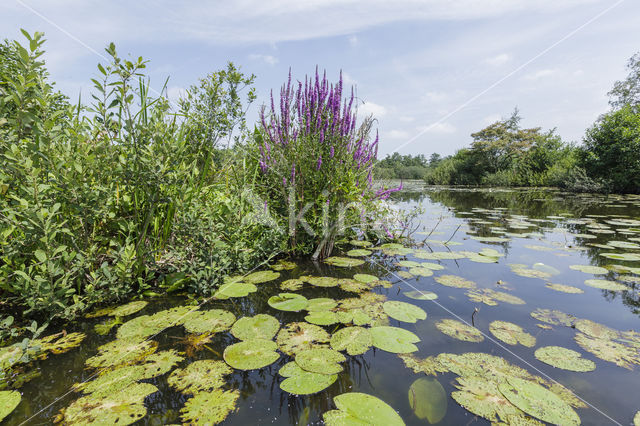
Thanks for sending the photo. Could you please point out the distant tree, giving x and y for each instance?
(434, 159)
(627, 91)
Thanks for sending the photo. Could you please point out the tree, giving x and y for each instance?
(612, 149)
(627, 91)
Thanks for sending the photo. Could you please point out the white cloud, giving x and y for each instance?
(267, 59)
(353, 41)
(498, 60)
(438, 128)
(348, 80)
(435, 97)
(369, 108)
(396, 134)
(540, 74)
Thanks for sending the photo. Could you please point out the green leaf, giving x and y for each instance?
(360, 408)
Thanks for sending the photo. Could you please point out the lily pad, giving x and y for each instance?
(394, 339)
(420, 271)
(538, 401)
(403, 311)
(283, 265)
(234, 289)
(251, 354)
(320, 360)
(261, 326)
(203, 375)
(121, 352)
(128, 309)
(345, 262)
(511, 334)
(355, 340)
(322, 318)
(408, 263)
(629, 257)
(352, 286)
(59, 344)
(148, 325)
(262, 277)
(9, 400)
(483, 398)
(606, 285)
(301, 382)
(608, 350)
(209, 408)
(565, 288)
(365, 278)
(564, 358)
(362, 409)
(297, 336)
(291, 284)
(428, 400)
(361, 243)
(459, 330)
(589, 269)
(358, 252)
(288, 302)
(421, 295)
(321, 304)
(553, 317)
(490, 297)
(211, 321)
(454, 281)
(321, 281)
(597, 330)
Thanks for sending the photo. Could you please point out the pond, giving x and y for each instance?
(512, 306)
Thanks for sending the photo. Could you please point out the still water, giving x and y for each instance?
(541, 232)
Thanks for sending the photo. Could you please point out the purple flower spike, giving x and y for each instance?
(319, 163)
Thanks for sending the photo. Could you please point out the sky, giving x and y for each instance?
(431, 71)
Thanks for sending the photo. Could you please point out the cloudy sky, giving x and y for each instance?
(431, 71)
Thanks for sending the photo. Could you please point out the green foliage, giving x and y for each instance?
(612, 149)
(627, 91)
(398, 166)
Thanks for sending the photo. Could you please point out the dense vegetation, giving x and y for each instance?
(130, 194)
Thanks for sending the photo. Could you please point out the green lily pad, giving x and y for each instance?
(211, 321)
(322, 318)
(321, 304)
(365, 278)
(608, 350)
(597, 330)
(344, 262)
(541, 267)
(589, 269)
(538, 402)
(511, 334)
(490, 297)
(565, 288)
(321, 281)
(524, 271)
(394, 339)
(251, 354)
(629, 257)
(421, 295)
(283, 265)
(432, 266)
(421, 271)
(148, 325)
(553, 317)
(482, 397)
(297, 336)
(353, 286)
(122, 408)
(203, 375)
(624, 244)
(105, 327)
(459, 330)
(128, 309)
(291, 302)
(301, 382)
(59, 344)
(606, 285)
(454, 281)
(234, 289)
(121, 352)
(209, 408)
(428, 400)
(355, 340)
(564, 358)
(636, 419)
(408, 263)
(491, 239)
(403, 311)
(9, 400)
(361, 243)
(356, 408)
(293, 284)
(358, 252)
(261, 326)
(320, 360)
(260, 277)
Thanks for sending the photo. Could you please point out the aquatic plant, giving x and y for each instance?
(428, 400)
(355, 340)
(199, 376)
(261, 326)
(403, 311)
(361, 408)
(9, 400)
(564, 358)
(300, 382)
(459, 330)
(511, 334)
(297, 336)
(251, 354)
(394, 339)
(209, 408)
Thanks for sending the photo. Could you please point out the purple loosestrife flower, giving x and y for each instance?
(319, 163)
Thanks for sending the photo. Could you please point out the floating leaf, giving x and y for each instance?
(636, 419)
(345, 262)
(421, 271)
(291, 285)
(432, 266)
(541, 267)
(148, 325)
(629, 257)
(526, 272)
(553, 317)
(262, 277)
(491, 239)
(211, 321)
(608, 350)
(624, 244)
(352, 286)
(123, 407)
(9, 400)
(321, 304)
(301, 382)
(403, 311)
(489, 297)
(428, 399)
(361, 243)
(121, 352)
(355, 340)
(283, 265)
(421, 295)
(394, 339)
(360, 408)
(483, 398)
(321, 281)
(261, 326)
(606, 285)
(538, 401)
(597, 330)
(203, 375)
(365, 278)
(59, 345)
(408, 263)
(565, 288)
(589, 269)
(234, 289)
(128, 309)
(358, 252)
(288, 302)
(251, 354)
(459, 330)
(322, 317)
(320, 360)
(209, 408)
(564, 358)
(298, 336)
(511, 334)
(429, 366)
(454, 281)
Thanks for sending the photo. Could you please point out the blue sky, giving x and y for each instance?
(431, 71)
